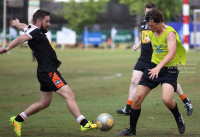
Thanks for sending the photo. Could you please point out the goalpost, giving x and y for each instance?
(3, 35)
(196, 35)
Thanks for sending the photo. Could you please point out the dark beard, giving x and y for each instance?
(43, 29)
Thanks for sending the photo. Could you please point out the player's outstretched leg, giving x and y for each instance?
(66, 93)
(16, 125)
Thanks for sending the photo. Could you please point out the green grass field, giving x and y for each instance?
(100, 80)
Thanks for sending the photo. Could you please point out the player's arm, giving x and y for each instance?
(148, 40)
(135, 47)
(16, 23)
(15, 43)
(171, 43)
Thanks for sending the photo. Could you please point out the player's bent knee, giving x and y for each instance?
(69, 95)
(138, 99)
(166, 101)
(45, 104)
(136, 103)
(66, 93)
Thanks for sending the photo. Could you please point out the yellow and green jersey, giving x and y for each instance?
(160, 48)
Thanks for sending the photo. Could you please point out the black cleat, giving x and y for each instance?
(181, 125)
(123, 111)
(189, 107)
(127, 132)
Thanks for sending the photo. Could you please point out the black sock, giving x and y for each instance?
(185, 100)
(175, 111)
(128, 108)
(135, 114)
(19, 119)
(84, 122)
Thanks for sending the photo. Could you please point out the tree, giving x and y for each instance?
(82, 14)
(169, 8)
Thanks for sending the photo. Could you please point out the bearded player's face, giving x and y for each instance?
(45, 24)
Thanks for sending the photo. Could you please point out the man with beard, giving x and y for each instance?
(48, 76)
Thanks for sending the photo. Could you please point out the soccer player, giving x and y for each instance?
(48, 76)
(142, 63)
(168, 52)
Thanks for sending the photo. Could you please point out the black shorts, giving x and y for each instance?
(141, 65)
(166, 75)
(51, 81)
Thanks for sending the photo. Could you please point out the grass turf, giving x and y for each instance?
(100, 80)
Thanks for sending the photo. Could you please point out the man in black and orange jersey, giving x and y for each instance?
(48, 76)
(140, 66)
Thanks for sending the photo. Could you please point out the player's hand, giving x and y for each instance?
(154, 72)
(148, 40)
(3, 50)
(15, 22)
(135, 47)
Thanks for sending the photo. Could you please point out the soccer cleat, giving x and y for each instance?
(88, 126)
(127, 132)
(181, 125)
(123, 111)
(17, 126)
(189, 107)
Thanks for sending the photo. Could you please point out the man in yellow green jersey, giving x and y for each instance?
(140, 66)
(167, 53)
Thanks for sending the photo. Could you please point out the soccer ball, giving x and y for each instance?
(105, 122)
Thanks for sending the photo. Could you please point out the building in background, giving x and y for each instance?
(116, 15)
(33, 5)
(15, 9)
(56, 21)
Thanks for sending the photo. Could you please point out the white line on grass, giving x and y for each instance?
(111, 75)
(107, 75)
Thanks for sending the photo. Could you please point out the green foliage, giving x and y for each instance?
(169, 8)
(82, 14)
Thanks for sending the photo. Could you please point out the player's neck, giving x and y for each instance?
(37, 25)
(161, 30)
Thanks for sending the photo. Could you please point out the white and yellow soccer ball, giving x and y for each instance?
(105, 122)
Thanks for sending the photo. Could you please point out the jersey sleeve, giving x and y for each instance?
(32, 32)
(150, 34)
(25, 29)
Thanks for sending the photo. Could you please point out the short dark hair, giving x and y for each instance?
(40, 14)
(150, 5)
(154, 15)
